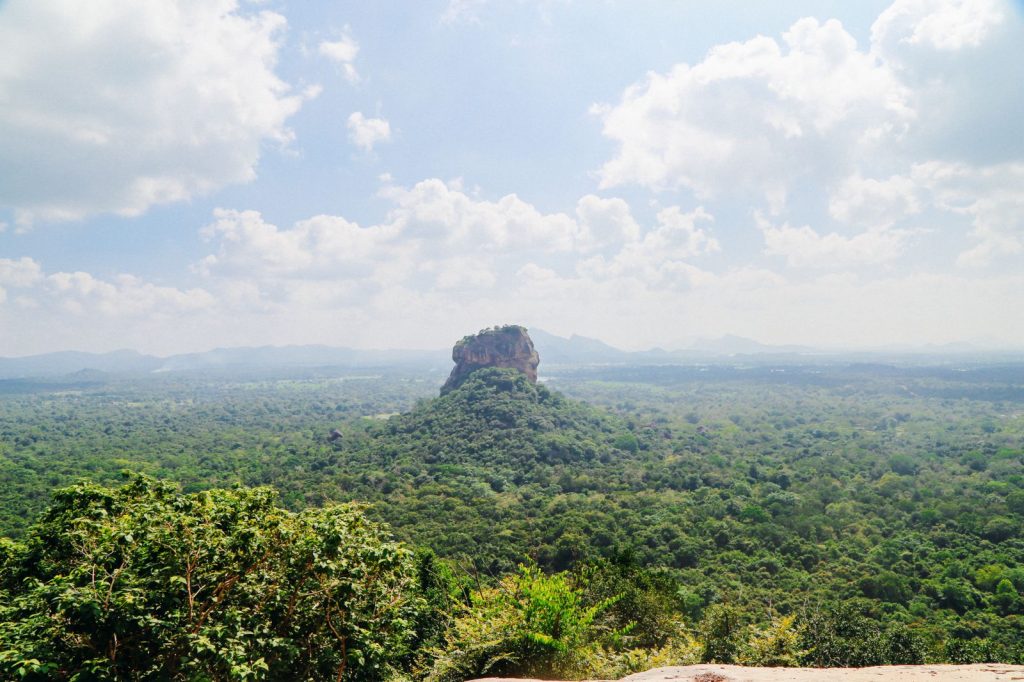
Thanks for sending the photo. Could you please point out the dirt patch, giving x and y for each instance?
(710, 677)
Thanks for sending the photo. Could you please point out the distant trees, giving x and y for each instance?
(682, 498)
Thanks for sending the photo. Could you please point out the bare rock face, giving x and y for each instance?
(508, 346)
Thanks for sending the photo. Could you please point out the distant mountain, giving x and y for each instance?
(68, 362)
(575, 350)
(298, 356)
(731, 344)
(580, 350)
(131, 362)
(554, 350)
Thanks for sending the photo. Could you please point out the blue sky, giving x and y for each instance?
(176, 176)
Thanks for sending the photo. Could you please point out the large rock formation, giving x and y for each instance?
(508, 346)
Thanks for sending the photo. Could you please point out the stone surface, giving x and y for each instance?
(508, 346)
(979, 672)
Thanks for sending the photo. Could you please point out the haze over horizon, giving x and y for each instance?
(179, 176)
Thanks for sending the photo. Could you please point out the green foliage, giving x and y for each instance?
(529, 624)
(145, 583)
(895, 491)
(644, 602)
(776, 644)
(840, 636)
(720, 632)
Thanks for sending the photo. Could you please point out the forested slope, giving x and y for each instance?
(826, 494)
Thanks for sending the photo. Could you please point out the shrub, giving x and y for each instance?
(145, 583)
(719, 634)
(529, 624)
(776, 645)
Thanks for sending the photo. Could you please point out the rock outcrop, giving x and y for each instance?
(508, 346)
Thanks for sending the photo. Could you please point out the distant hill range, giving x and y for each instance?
(582, 350)
(131, 362)
(554, 351)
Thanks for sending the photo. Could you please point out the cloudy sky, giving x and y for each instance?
(177, 175)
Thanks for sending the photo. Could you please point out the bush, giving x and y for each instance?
(529, 625)
(777, 645)
(839, 636)
(145, 583)
(719, 634)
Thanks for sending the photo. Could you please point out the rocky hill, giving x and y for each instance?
(508, 346)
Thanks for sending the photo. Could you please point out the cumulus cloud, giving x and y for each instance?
(939, 24)
(61, 310)
(992, 197)
(756, 115)
(867, 202)
(366, 132)
(83, 294)
(125, 295)
(22, 272)
(661, 257)
(803, 247)
(989, 198)
(605, 222)
(114, 107)
(319, 247)
(763, 116)
(440, 216)
(436, 238)
(343, 52)
(910, 129)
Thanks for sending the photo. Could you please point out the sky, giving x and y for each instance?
(179, 175)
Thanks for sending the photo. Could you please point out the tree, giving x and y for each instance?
(720, 633)
(145, 583)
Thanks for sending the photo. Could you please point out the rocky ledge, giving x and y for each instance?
(978, 672)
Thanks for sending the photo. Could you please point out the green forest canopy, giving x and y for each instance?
(710, 507)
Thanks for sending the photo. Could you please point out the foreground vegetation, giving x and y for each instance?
(784, 516)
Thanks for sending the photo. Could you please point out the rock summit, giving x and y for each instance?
(508, 346)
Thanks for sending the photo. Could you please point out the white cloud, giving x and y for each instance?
(760, 118)
(991, 196)
(79, 310)
(61, 309)
(366, 132)
(867, 202)
(462, 273)
(938, 24)
(311, 92)
(754, 116)
(437, 238)
(661, 257)
(475, 11)
(444, 218)
(114, 107)
(606, 222)
(126, 295)
(462, 11)
(803, 247)
(23, 272)
(434, 237)
(322, 246)
(342, 52)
